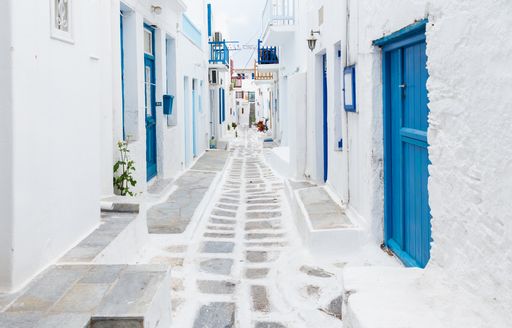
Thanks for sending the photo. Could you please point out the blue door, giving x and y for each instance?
(324, 115)
(194, 113)
(150, 100)
(408, 230)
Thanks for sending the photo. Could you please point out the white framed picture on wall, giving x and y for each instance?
(61, 20)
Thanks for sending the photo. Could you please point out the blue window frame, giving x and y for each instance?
(349, 88)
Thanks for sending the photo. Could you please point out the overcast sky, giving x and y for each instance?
(239, 20)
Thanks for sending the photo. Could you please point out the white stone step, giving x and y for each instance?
(322, 223)
(106, 296)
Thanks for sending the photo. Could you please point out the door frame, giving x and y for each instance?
(409, 35)
(325, 113)
(151, 171)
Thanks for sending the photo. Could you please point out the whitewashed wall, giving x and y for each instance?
(55, 89)
(469, 59)
(6, 160)
(470, 174)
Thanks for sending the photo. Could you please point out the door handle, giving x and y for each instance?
(402, 86)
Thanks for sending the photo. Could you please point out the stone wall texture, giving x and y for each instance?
(470, 186)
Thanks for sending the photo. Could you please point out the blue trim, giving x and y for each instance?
(267, 55)
(219, 52)
(325, 116)
(191, 31)
(352, 71)
(404, 33)
(151, 148)
(168, 102)
(396, 235)
(122, 71)
(209, 9)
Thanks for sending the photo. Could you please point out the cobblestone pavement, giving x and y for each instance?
(245, 266)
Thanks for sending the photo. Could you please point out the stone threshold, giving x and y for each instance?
(93, 296)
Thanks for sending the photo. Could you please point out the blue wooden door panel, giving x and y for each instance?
(150, 107)
(324, 116)
(194, 109)
(408, 214)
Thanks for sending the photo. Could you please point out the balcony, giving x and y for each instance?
(278, 21)
(262, 77)
(267, 55)
(219, 54)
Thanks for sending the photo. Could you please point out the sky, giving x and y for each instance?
(239, 20)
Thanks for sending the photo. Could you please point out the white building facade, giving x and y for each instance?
(407, 152)
(75, 81)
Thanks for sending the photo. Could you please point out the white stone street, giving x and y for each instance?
(245, 264)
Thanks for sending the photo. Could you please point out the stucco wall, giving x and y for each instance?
(56, 105)
(469, 59)
(6, 203)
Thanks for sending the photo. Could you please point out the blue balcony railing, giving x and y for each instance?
(219, 52)
(267, 55)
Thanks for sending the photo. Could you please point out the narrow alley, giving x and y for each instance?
(255, 164)
(244, 266)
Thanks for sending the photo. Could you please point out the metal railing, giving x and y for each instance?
(262, 76)
(219, 52)
(278, 12)
(267, 55)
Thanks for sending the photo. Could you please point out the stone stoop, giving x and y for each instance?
(383, 297)
(94, 296)
(116, 240)
(323, 224)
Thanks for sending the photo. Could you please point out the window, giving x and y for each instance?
(349, 88)
(148, 42)
(239, 94)
(252, 96)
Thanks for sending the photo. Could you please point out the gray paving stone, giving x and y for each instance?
(20, 320)
(220, 228)
(269, 325)
(174, 215)
(212, 160)
(263, 215)
(222, 221)
(260, 302)
(223, 213)
(334, 307)
(262, 207)
(217, 247)
(227, 207)
(216, 315)
(269, 201)
(251, 236)
(72, 320)
(216, 266)
(46, 291)
(266, 244)
(102, 274)
(219, 235)
(315, 272)
(256, 273)
(323, 212)
(81, 298)
(256, 256)
(260, 225)
(132, 294)
(216, 287)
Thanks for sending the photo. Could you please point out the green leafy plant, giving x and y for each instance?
(234, 125)
(123, 171)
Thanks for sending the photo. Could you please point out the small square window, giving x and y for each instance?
(349, 88)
